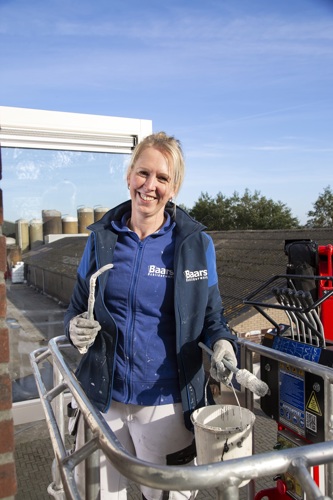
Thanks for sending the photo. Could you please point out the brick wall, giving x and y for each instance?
(8, 485)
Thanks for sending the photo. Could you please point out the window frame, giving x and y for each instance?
(41, 129)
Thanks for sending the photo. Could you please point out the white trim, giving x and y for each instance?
(31, 410)
(40, 129)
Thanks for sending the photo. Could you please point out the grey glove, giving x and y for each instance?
(83, 331)
(219, 372)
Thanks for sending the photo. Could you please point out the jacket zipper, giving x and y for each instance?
(130, 328)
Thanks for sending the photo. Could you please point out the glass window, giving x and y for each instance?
(35, 180)
(41, 188)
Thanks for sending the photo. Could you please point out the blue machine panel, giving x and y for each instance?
(292, 398)
(298, 349)
(296, 399)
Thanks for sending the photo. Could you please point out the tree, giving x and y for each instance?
(322, 215)
(258, 212)
(213, 213)
(242, 212)
(202, 209)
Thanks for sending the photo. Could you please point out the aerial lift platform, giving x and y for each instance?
(296, 362)
(299, 398)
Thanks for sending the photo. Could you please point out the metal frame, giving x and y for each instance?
(225, 476)
(41, 129)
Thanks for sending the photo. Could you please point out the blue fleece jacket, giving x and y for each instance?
(140, 296)
(198, 311)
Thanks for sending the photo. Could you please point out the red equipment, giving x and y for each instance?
(325, 264)
(296, 400)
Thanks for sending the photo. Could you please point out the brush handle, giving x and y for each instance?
(91, 298)
(226, 363)
(92, 285)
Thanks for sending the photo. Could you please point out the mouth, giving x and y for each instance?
(145, 197)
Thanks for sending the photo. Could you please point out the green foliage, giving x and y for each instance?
(249, 211)
(322, 214)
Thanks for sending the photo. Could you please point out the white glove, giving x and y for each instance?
(83, 331)
(219, 372)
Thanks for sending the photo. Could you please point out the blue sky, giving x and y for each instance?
(246, 85)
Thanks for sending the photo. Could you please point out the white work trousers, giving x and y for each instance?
(148, 432)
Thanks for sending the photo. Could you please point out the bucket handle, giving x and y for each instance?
(236, 397)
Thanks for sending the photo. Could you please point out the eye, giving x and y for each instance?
(143, 173)
(163, 178)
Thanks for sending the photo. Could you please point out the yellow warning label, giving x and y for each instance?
(313, 405)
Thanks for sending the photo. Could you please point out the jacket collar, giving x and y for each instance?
(184, 222)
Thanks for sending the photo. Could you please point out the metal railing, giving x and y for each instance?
(225, 476)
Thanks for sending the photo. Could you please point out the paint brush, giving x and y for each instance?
(243, 377)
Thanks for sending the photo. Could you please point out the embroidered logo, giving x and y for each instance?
(201, 274)
(160, 272)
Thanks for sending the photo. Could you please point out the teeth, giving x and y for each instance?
(146, 198)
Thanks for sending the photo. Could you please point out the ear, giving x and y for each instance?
(173, 193)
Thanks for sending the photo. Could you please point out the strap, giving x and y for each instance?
(182, 457)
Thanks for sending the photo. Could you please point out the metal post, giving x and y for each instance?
(92, 469)
(299, 468)
(56, 489)
(228, 493)
(329, 435)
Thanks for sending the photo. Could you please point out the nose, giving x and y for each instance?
(150, 183)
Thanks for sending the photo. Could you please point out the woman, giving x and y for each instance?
(161, 298)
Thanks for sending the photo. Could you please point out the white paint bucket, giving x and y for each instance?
(222, 432)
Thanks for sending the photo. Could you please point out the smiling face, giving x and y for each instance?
(151, 184)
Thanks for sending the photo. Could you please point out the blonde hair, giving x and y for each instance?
(170, 148)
